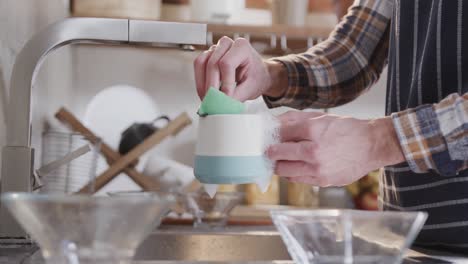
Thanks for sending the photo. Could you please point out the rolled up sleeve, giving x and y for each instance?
(435, 137)
(341, 68)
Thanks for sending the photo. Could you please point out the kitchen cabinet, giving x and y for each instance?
(137, 9)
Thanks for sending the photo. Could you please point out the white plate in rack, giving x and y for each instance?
(113, 110)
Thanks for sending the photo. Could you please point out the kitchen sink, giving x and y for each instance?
(236, 244)
(233, 245)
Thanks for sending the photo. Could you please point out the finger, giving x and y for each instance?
(242, 91)
(311, 180)
(292, 151)
(293, 169)
(300, 126)
(213, 75)
(295, 116)
(236, 57)
(302, 179)
(295, 131)
(200, 68)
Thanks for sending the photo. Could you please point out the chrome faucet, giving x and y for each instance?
(18, 155)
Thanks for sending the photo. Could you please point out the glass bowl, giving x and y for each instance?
(178, 207)
(86, 229)
(347, 236)
(211, 212)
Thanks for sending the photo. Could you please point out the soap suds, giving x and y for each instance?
(271, 126)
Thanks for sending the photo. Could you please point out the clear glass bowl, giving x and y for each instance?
(177, 207)
(211, 212)
(84, 229)
(347, 236)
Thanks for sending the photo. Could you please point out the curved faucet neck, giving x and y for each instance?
(78, 30)
(30, 58)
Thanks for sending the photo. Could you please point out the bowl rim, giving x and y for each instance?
(340, 212)
(153, 192)
(234, 195)
(79, 198)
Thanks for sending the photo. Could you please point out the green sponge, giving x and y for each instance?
(218, 103)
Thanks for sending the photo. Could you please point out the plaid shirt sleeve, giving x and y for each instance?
(339, 69)
(435, 137)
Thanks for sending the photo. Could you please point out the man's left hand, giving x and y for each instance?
(328, 150)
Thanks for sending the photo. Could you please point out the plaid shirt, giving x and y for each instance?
(338, 70)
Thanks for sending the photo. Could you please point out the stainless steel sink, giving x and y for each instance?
(233, 244)
(183, 245)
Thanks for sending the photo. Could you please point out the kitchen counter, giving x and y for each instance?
(31, 255)
(183, 243)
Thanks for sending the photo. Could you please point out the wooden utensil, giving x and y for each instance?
(67, 118)
(173, 128)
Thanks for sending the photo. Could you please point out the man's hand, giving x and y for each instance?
(239, 71)
(327, 150)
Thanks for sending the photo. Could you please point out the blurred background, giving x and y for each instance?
(79, 76)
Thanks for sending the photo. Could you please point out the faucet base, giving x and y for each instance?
(17, 168)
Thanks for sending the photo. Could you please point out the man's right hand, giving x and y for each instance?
(239, 71)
